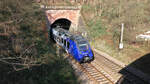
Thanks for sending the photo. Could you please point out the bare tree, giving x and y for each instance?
(26, 59)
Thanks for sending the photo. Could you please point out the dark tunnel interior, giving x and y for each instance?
(63, 23)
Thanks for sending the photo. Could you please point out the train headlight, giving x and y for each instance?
(80, 53)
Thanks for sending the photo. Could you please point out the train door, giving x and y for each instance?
(73, 50)
(67, 46)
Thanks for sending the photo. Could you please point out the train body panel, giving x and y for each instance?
(75, 45)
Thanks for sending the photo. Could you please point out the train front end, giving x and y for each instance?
(85, 52)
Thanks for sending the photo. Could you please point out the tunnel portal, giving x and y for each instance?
(63, 23)
(67, 17)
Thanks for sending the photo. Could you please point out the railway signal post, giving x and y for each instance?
(121, 37)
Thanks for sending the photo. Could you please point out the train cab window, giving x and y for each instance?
(83, 45)
(68, 45)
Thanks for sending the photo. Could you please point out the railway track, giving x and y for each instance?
(103, 71)
(117, 72)
(93, 74)
(100, 75)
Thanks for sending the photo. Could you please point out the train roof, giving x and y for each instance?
(62, 32)
(66, 34)
(79, 39)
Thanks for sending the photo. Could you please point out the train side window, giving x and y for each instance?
(64, 42)
(61, 40)
(68, 45)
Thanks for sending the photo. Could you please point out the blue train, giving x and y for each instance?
(75, 45)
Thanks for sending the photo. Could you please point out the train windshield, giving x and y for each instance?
(83, 45)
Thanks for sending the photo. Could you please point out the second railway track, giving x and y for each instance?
(100, 75)
(93, 74)
(103, 71)
(113, 69)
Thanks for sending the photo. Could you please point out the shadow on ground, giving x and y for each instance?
(142, 64)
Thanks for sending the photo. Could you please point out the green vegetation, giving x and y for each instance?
(31, 58)
(103, 22)
(104, 19)
(96, 28)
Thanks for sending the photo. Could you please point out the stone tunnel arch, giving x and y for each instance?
(62, 22)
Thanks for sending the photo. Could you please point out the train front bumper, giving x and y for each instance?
(86, 59)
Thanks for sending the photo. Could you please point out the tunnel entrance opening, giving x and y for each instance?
(63, 23)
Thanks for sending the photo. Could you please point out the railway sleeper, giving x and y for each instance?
(90, 69)
(103, 81)
(93, 74)
(98, 76)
